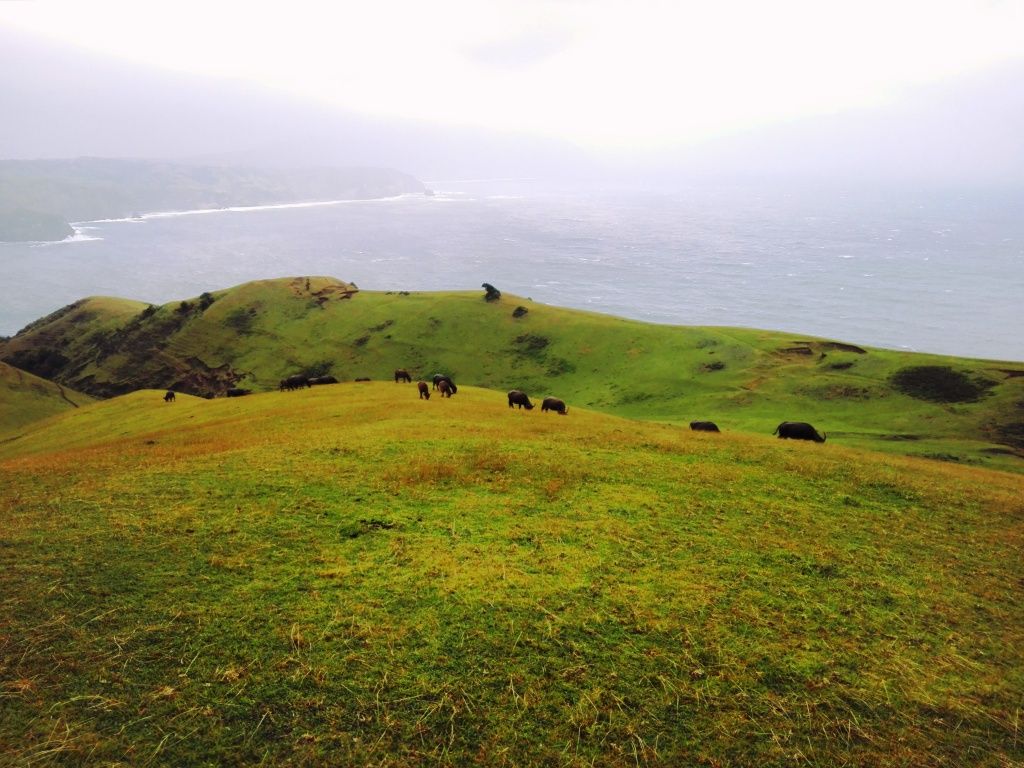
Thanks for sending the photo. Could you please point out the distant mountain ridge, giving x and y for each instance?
(38, 198)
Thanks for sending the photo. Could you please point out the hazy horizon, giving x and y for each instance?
(940, 102)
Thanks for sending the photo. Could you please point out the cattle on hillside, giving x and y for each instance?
(446, 388)
(704, 426)
(322, 380)
(298, 381)
(402, 375)
(554, 404)
(424, 390)
(238, 392)
(519, 398)
(439, 377)
(169, 397)
(798, 430)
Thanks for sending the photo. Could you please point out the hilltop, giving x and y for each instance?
(25, 398)
(349, 575)
(256, 334)
(39, 197)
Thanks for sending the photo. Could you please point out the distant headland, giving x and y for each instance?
(40, 198)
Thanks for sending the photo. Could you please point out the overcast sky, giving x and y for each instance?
(604, 74)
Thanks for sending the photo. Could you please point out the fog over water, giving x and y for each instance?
(937, 272)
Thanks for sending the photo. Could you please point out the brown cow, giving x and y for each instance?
(516, 397)
(445, 387)
(424, 389)
(402, 375)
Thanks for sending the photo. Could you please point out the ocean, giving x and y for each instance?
(941, 271)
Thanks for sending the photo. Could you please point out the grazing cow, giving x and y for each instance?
(515, 397)
(402, 375)
(554, 404)
(424, 390)
(446, 388)
(798, 430)
(322, 380)
(439, 377)
(238, 392)
(704, 426)
(169, 397)
(298, 381)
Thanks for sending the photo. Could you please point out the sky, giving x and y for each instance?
(604, 74)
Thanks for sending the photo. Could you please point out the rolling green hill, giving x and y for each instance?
(25, 398)
(255, 334)
(349, 575)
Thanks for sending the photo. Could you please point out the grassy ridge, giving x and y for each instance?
(25, 398)
(348, 575)
(258, 333)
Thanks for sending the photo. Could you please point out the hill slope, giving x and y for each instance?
(255, 334)
(25, 398)
(349, 575)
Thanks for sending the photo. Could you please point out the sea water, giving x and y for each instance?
(936, 271)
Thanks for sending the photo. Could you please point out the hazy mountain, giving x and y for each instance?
(68, 102)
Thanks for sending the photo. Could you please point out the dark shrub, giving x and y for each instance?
(940, 384)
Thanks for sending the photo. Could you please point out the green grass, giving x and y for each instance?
(25, 398)
(348, 575)
(745, 380)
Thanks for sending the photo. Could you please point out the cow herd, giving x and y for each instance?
(443, 384)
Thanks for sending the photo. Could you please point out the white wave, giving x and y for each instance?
(78, 237)
(238, 209)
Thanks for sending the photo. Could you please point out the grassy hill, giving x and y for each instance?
(349, 575)
(255, 334)
(25, 398)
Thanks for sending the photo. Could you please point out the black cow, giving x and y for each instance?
(704, 426)
(298, 381)
(238, 392)
(424, 390)
(402, 375)
(169, 397)
(516, 397)
(439, 377)
(798, 430)
(446, 388)
(554, 404)
(322, 380)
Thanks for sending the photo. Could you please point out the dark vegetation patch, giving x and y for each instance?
(705, 343)
(240, 320)
(1011, 434)
(940, 384)
(841, 366)
(531, 345)
(362, 341)
(43, 362)
(381, 326)
(1011, 373)
(205, 300)
(843, 347)
(519, 311)
(321, 368)
(899, 437)
(558, 366)
(714, 365)
(797, 351)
